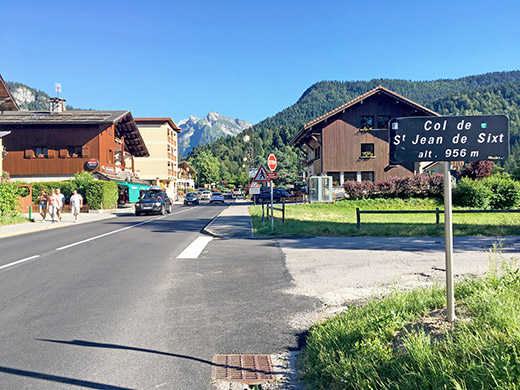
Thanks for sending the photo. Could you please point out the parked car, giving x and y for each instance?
(154, 200)
(237, 193)
(206, 195)
(228, 194)
(216, 197)
(265, 195)
(191, 197)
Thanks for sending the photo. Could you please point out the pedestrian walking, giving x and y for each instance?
(43, 200)
(53, 204)
(61, 203)
(76, 202)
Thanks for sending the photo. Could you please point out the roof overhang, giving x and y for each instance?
(303, 133)
(158, 121)
(7, 100)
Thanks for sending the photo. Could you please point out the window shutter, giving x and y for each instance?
(29, 153)
(64, 153)
(51, 153)
(85, 151)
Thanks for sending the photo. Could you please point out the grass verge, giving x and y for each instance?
(401, 342)
(339, 219)
(12, 219)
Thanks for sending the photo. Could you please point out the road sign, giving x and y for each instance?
(271, 162)
(252, 172)
(261, 175)
(272, 175)
(449, 138)
(254, 188)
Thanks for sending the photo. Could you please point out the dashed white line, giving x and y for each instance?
(19, 261)
(193, 250)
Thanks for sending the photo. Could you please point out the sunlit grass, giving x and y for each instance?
(392, 344)
(339, 219)
(12, 219)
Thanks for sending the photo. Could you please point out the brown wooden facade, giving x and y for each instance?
(351, 142)
(44, 145)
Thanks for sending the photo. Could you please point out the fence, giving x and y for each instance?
(268, 207)
(437, 213)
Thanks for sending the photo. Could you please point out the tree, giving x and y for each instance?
(207, 167)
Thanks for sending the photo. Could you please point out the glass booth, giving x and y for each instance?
(320, 189)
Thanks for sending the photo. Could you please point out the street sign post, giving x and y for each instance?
(271, 162)
(252, 172)
(272, 175)
(254, 188)
(449, 138)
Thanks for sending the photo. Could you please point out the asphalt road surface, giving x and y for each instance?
(109, 305)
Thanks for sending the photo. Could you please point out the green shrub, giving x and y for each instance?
(64, 187)
(471, 193)
(9, 204)
(101, 194)
(505, 191)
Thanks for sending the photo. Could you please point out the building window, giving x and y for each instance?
(367, 122)
(41, 151)
(367, 176)
(110, 156)
(367, 151)
(317, 153)
(75, 151)
(382, 121)
(350, 176)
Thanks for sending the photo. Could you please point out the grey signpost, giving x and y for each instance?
(449, 138)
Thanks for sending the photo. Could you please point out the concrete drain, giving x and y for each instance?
(247, 369)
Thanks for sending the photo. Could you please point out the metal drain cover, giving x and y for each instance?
(247, 369)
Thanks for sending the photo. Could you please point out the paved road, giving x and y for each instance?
(108, 305)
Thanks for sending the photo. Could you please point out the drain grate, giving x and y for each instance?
(247, 369)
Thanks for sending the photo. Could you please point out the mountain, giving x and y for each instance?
(29, 98)
(490, 93)
(206, 130)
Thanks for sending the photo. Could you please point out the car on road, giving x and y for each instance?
(154, 200)
(216, 197)
(191, 197)
(228, 194)
(206, 195)
(265, 195)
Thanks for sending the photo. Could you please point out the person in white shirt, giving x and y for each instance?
(61, 203)
(76, 201)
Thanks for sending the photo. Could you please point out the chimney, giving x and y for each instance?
(57, 105)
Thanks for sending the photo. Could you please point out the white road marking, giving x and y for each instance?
(19, 261)
(115, 231)
(193, 250)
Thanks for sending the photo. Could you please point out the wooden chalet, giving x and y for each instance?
(186, 176)
(351, 141)
(56, 145)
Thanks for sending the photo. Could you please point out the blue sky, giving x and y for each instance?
(244, 59)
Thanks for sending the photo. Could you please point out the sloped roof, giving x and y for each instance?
(359, 99)
(123, 121)
(185, 164)
(170, 121)
(7, 102)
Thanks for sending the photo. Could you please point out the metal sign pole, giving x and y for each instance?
(448, 236)
(272, 218)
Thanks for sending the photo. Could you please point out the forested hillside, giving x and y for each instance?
(491, 93)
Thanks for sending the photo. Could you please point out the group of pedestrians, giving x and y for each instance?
(53, 203)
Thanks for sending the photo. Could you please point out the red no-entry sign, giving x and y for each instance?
(271, 162)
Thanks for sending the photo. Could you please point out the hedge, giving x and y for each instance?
(9, 204)
(495, 192)
(429, 186)
(101, 194)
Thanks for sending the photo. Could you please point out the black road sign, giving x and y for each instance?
(449, 138)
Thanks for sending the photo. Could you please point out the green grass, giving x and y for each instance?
(386, 344)
(339, 220)
(12, 219)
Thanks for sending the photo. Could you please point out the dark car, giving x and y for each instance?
(265, 195)
(153, 201)
(191, 197)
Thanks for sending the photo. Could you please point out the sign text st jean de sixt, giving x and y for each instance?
(449, 138)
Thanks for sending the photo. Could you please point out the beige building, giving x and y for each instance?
(160, 137)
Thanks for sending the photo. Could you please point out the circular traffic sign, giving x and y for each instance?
(271, 162)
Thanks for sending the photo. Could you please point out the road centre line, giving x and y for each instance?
(116, 231)
(19, 262)
(193, 250)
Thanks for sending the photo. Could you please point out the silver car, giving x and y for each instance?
(206, 195)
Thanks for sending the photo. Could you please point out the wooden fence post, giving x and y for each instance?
(358, 218)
